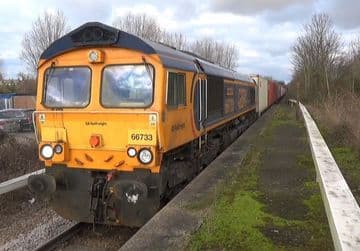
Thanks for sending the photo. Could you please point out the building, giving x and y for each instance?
(18, 101)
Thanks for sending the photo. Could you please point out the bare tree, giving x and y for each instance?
(46, 29)
(177, 40)
(1, 71)
(231, 56)
(221, 53)
(147, 27)
(140, 25)
(315, 54)
(26, 83)
(353, 63)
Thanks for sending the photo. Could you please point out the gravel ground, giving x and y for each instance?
(24, 136)
(25, 223)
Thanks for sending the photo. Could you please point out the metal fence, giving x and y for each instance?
(18, 182)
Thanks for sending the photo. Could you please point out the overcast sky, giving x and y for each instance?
(263, 30)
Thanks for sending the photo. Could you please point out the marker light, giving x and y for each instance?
(58, 149)
(131, 152)
(145, 156)
(96, 56)
(46, 151)
(93, 56)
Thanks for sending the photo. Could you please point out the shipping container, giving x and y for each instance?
(272, 92)
(283, 90)
(261, 93)
(24, 102)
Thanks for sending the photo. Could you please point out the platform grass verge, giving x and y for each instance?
(238, 218)
(346, 155)
(281, 117)
(236, 214)
(349, 162)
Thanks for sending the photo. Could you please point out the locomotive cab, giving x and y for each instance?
(122, 123)
(97, 126)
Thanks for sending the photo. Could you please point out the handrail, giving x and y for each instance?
(16, 183)
(342, 210)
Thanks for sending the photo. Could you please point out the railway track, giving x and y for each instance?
(81, 236)
(55, 242)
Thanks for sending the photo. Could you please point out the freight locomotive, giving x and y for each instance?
(122, 122)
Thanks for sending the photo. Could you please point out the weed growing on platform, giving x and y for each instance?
(281, 117)
(236, 215)
(240, 218)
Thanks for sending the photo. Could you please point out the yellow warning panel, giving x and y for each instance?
(53, 134)
(142, 137)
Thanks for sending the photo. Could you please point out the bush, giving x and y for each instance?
(340, 117)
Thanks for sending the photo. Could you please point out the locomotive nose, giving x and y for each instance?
(42, 185)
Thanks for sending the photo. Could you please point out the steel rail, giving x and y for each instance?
(60, 238)
(18, 182)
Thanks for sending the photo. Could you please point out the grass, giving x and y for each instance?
(239, 219)
(280, 118)
(338, 122)
(236, 215)
(349, 162)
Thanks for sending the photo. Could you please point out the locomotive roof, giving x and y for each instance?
(100, 35)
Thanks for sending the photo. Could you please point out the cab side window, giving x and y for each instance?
(176, 95)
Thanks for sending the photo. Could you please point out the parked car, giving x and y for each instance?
(8, 124)
(23, 117)
(28, 123)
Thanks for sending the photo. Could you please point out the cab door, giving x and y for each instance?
(201, 108)
(200, 98)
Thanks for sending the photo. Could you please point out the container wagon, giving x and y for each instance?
(262, 93)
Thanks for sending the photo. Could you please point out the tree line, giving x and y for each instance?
(142, 25)
(49, 27)
(324, 65)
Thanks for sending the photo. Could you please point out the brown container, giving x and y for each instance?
(24, 102)
(272, 92)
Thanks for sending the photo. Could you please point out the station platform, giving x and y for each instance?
(259, 194)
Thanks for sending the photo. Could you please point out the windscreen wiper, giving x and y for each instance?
(147, 68)
(48, 76)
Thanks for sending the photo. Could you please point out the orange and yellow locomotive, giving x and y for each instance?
(121, 122)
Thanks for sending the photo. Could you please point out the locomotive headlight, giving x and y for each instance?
(47, 151)
(131, 152)
(145, 156)
(58, 149)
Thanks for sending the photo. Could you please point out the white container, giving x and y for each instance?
(261, 93)
(283, 90)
